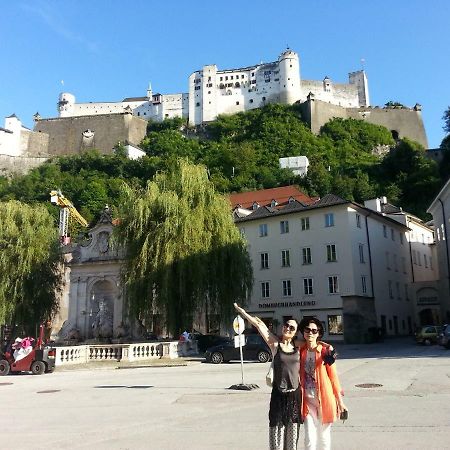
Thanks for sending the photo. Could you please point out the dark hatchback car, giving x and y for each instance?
(255, 349)
(204, 341)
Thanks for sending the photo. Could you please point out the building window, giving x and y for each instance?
(308, 286)
(385, 231)
(237, 103)
(331, 253)
(388, 261)
(333, 284)
(401, 238)
(287, 291)
(284, 227)
(403, 264)
(431, 263)
(397, 288)
(306, 255)
(364, 284)
(419, 258)
(285, 258)
(395, 263)
(414, 257)
(265, 289)
(425, 261)
(391, 294)
(264, 260)
(255, 205)
(335, 324)
(392, 234)
(358, 220)
(305, 223)
(361, 253)
(263, 230)
(251, 100)
(329, 220)
(197, 104)
(406, 292)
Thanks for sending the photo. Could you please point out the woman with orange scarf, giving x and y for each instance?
(321, 391)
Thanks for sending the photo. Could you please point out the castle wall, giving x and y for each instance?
(72, 135)
(18, 164)
(318, 113)
(339, 94)
(34, 144)
(405, 121)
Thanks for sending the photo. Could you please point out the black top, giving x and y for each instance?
(286, 367)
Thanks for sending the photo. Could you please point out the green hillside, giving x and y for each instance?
(241, 152)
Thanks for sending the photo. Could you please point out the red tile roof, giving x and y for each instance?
(264, 197)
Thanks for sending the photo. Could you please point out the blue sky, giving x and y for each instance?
(106, 50)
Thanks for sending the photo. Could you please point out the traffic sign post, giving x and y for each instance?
(239, 341)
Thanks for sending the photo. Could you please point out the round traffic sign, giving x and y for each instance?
(238, 325)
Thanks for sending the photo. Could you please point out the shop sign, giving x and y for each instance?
(427, 301)
(288, 304)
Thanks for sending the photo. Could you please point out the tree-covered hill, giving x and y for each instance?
(241, 152)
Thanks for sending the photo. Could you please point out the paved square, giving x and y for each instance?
(190, 407)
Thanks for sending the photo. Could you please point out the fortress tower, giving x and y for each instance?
(289, 66)
(66, 104)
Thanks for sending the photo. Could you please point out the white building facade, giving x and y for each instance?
(335, 260)
(440, 210)
(212, 92)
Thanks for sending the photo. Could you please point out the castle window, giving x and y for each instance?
(221, 78)
(197, 104)
(231, 77)
(251, 100)
(145, 114)
(264, 99)
(290, 65)
(139, 113)
(242, 76)
(237, 84)
(226, 78)
(209, 78)
(209, 92)
(253, 74)
(237, 103)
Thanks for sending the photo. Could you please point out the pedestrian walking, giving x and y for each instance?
(321, 391)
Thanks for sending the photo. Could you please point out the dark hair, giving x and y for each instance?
(307, 320)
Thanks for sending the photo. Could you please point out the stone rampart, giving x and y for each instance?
(19, 164)
(73, 135)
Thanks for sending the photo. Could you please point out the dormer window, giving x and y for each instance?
(255, 205)
(291, 200)
(273, 203)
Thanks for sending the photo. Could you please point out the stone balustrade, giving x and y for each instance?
(81, 354)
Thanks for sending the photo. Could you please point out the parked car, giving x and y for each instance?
(428, 334)
(255, 349)
(204, 341)
(444, 336)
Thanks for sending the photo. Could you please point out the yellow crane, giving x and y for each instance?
(66, 211)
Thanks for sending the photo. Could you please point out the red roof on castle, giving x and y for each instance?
(265, 197)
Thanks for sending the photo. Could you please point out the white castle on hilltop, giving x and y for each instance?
(213, 92)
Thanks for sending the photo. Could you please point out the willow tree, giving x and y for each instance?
(184, 253)
(30, 274)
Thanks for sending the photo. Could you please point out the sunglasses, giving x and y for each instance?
(310, 330)
(289, 327)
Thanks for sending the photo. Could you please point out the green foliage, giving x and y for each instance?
(391, 104)
(184, 253)
(241, 153)
(30, 265)
(446, 119)
(411, 176)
